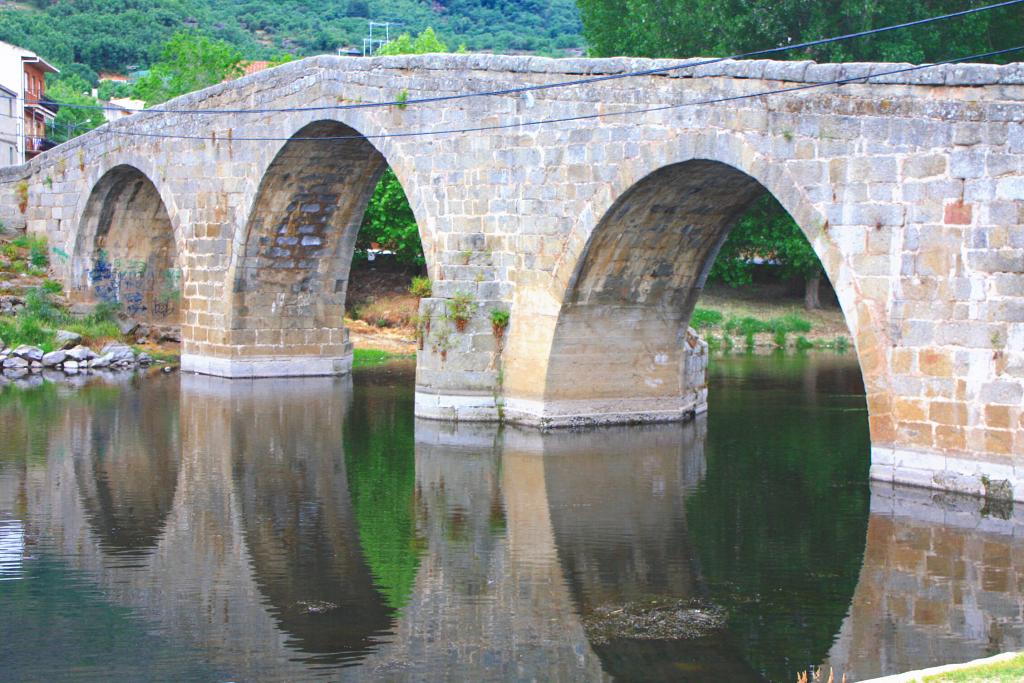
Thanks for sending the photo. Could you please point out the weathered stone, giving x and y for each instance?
(53, 358)
(81, 353)
(908, 184)
(29, 353)
(101, 362)
(66, 339)
(15, 363)
(118, 353)
(70, 366)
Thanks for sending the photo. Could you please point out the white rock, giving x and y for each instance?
(29, 352)
(54, 358)
(81, 353)
(101, 362)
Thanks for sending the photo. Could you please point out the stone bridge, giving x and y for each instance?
(595, 233)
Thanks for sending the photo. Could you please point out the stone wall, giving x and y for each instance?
(910, 187)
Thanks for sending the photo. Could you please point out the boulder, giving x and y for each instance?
(66, 339)
(71, 367)
(15, 363)
(144, 359)
(81, 353)
(29, 352)
(119, 353)
(126, 325)
(53, 358)
(101, 362)
(167, 334)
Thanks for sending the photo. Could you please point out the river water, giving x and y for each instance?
(193, 528)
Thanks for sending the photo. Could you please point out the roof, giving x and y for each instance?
(30, 57)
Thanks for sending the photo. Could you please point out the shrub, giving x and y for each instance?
(791, 322)
(780, 338)
(460, 309)
(703, 318)
(421, 287)
(802, 343)
(499, 321)
(53, 287)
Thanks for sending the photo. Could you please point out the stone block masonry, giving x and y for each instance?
(596, 234)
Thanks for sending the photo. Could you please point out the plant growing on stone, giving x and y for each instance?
(460, 309)
(465, 255)
(442, 341)
(419, 324)
(499, 321)
(402, 98)
(421, 287)
(21, 190)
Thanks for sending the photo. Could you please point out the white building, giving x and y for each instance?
(23, 73)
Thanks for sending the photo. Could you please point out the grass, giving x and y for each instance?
(368, 358)
(1007, 671)
(37, 323)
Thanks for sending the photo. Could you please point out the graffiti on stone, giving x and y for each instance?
(135, 286)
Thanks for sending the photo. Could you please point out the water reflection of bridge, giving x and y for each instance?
(233, 522)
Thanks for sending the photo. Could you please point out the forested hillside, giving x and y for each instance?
(124, 34)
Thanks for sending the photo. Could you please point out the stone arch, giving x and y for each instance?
(290, 276)
(127, 251)
(621, 296)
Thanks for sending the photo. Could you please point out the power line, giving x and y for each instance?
(578, 81)
(580, 117)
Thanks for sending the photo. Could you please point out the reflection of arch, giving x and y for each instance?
(126, 251)
(290, 276)
(616, 308)
(298, 522)
(127, 472)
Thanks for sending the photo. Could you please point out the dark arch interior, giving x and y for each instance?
(292, 279)
(129, 248)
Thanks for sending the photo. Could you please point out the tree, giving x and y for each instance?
(72, 121)
(389, 220)
(718, 28)
(189, 61)
(767, 232)
(426, 42)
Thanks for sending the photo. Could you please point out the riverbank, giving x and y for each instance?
(760, 317)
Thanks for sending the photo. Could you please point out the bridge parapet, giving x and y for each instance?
(909, 185)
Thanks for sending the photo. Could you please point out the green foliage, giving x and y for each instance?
(460, 306)
(705, 317)
(109, 90)
(380, 465)
(368, 358)
(500, 317)
(38, 255)
(765, 231)
(72, 121)
(188, 61)
(803, 344)
(421, 287)
(785, 324)
(390, 222)
(402, 98)
(126, 35)
(426, 42)
(1007, 671)
(710, 28)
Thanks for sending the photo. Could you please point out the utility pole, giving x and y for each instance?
(372, 44)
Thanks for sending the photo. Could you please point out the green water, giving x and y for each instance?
(195, 528)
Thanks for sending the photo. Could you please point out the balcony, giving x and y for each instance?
(43, 102)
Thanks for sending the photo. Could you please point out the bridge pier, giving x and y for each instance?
(596, 233)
